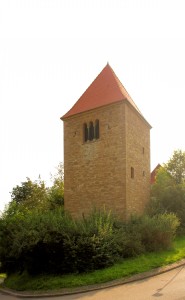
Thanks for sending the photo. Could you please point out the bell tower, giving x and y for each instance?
(106, 151)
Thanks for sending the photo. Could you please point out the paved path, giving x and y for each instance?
(166, 286)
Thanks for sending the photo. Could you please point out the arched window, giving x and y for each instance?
(85, 132)
(91, 131)
(97, 134)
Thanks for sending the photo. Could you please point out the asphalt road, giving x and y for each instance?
(167, 286)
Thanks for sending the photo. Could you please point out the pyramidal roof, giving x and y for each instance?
(105, 89)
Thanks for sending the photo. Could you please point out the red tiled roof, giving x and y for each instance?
(154, 173)
(105, 89)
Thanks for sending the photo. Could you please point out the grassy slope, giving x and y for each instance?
(125, 268)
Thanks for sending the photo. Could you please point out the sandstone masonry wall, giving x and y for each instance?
(138, 158)
(98, 173)
(95, 171)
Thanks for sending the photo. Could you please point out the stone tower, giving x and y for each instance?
(106, 151)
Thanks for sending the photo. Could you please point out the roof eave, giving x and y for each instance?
(64, 117)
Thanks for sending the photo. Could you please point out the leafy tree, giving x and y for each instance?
(176, 166)
(168, 191)
(59, 175)
(29, 195)
(163, 180)
(56, 191)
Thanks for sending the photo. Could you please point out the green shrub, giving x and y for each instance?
(92, 245)
(146, 234)
(158, 232)
(168, 191)
(130, 238)
(171, 199)
(52, 242)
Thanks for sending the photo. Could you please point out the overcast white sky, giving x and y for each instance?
(50, 52)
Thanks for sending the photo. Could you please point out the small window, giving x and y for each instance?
(132, 172)
(91, 131)
(85, 133)
(97, 134)
(143, 150)
(143, 173)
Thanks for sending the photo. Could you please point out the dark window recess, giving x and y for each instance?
(85, 132)
(91, 131)
(143, 150)
(132, 172)
(97, 134)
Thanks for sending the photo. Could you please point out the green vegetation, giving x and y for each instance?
(42, 247)
(51, 242)
(168, 192)
(123, 269)
(176, 166)
(31, 195)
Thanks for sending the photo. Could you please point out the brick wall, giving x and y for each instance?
(97, 173)
(138, 158)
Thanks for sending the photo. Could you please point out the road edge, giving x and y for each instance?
(95, 287)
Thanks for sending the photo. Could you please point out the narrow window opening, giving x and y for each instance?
(143, 150)
(91, 131)
(85, 132)
(143, 173)
(97, 134)
(132, 172)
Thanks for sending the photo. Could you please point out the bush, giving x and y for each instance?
(158, 232)
(168, 191)
(93, 242)
(146, 234)
(170, 200)
(130, 239)
(52, 242)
